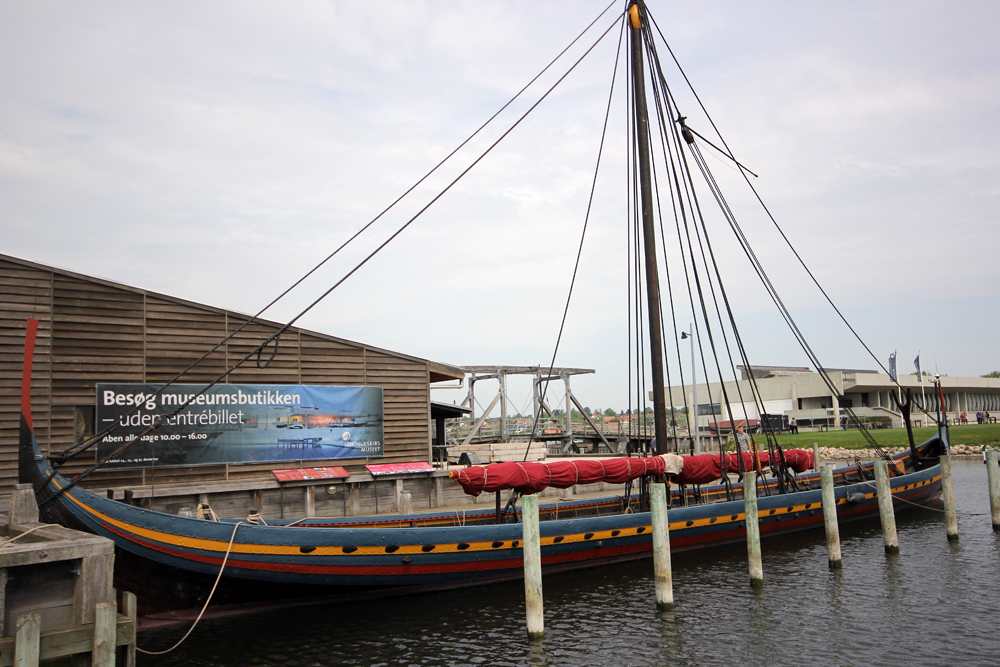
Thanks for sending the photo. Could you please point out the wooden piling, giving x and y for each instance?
(661, 548)
(531, 546)
(885, 509)
(830, 518)
(753, 528)
(105, 634)
(310, 500)
(993, 475)
(948, 495)
(815, 456)
(130, 609)
(27, 641)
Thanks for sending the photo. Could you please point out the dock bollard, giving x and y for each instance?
(753, 528)
(830, 517)
(993, 475)
(885, 510)
(948, 496)
(531, 546)
(661, 548)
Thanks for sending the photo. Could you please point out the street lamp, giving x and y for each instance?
(694, 391)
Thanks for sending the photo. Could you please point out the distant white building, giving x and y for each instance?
(801, 393)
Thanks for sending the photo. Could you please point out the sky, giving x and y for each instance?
(217, 151)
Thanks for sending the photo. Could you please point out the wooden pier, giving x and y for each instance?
(56, 594)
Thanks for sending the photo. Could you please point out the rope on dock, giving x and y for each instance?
(202, 612)
(4, 543)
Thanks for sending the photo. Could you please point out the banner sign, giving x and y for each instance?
(239, 423)
(892, 367)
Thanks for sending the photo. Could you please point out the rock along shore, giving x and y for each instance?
(843, 453)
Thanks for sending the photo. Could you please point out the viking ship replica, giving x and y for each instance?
(174, 562)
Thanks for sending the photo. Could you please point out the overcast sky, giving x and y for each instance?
(215, 151)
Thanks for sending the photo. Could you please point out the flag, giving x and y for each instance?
(892, 366)
(916, 363)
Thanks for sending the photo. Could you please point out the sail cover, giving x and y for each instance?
(798, 460)
(531, 477)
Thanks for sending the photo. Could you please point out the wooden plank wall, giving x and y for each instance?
(25, 293)
(91, 331)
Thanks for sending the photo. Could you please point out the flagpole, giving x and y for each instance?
(920, 379)
(894, 376)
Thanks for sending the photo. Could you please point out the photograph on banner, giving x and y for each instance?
(238, 423)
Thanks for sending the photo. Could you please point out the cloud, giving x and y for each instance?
(216, 151)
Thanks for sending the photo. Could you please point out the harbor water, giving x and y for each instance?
(934, 603)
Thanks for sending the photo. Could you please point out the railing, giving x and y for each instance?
(520, 427)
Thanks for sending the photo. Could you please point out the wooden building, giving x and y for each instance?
(93, 330)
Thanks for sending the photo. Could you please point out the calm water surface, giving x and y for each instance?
(935, 603)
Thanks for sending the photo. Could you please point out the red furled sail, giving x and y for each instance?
(531, 477)
(798, 460)
(700, 469)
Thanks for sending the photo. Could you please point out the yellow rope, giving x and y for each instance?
(27, 532)
(202, 613)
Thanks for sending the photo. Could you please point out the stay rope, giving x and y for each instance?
(275, 338)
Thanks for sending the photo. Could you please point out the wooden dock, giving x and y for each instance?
(56, 594)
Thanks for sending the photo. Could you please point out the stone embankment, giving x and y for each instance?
(957, 452)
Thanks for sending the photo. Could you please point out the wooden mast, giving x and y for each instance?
(648, 232)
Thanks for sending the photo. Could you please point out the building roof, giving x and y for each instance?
(781, 371)
(439, 372)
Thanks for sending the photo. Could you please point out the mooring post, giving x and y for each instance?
(885, 510)
(830, 517)
(406, 503)
(130, 608)
(105, 634)
(948, 495)
(993, 475)
(661, 547)
(815, 456)
(531, 546)
(753, 528)
(26, 640)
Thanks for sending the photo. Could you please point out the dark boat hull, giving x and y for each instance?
(170, 561)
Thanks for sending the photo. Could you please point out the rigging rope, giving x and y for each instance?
(788, 242)
(358, 266)
(86, 444)
(579, 254)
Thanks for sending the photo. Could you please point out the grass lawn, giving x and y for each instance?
(969, 434)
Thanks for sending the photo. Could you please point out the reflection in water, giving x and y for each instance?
(536, 653)
(671, 639)
(893, 585)
(933, 604)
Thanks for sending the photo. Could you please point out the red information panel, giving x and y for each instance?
(303, 474)
(397, 468)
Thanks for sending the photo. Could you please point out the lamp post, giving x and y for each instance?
(694, 391)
